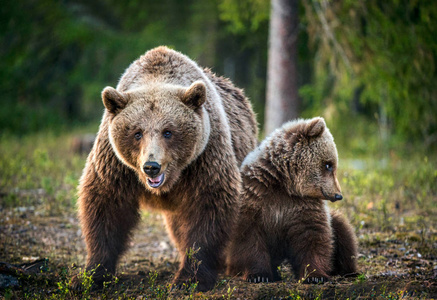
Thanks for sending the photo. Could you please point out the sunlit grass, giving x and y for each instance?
(389, 192)
(39, 169)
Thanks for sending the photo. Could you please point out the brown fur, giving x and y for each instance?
(213, 128)
(284, 215)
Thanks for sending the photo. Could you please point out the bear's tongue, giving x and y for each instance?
(155, 182)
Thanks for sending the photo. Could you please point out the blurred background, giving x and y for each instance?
(368, 67)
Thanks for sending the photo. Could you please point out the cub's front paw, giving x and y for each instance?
(258, 278)
(316, 280)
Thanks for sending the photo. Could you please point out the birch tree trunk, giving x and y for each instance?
(282, 101)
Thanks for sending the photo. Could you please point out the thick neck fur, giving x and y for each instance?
(267, 170)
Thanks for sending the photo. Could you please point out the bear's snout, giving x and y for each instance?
(152, 168)
(338, 197)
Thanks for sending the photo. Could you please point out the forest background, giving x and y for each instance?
(372, 62)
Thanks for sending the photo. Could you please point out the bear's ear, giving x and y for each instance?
(195, 95)
(113, 100)
(315, 127)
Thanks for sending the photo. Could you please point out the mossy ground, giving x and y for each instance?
(390, 200)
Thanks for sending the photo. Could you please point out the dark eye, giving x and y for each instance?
(329, 167)
(138, 136)
(167, 134)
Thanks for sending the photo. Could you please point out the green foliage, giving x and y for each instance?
(375, 58)
(244, 16)
(39, 166)
(379, 191)
(192, 259)
(56, 57)
(361, 278)
(357, 58)
(229, 292)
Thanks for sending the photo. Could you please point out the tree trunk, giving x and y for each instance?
(282, 103)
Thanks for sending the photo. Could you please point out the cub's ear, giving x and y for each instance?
(315, 127)
(113, 100)
(195, 95)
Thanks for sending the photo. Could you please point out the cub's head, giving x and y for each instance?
(158, 130)
(304, 150)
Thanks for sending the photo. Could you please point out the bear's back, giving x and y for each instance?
(242, 120)
(160, 65)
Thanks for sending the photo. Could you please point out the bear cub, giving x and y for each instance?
(284, 215)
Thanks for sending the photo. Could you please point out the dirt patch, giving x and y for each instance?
(393, 265)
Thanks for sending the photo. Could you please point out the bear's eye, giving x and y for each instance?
(167, 134)
(329, 167)
(138, 135)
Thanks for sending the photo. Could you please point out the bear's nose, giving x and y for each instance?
(152, 168)
(338, 197)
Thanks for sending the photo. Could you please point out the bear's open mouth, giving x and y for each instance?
(156, 182)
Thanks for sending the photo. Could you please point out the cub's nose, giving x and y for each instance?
(152, 168)
(338, 197)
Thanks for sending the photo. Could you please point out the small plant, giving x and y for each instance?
(360, 278)
(294, 294)
(219, 284)
(229, 292)
(152, 278)
(193, 261)
(306, 275)
(191, 289)
(85, 278)
(64, 284)
(158, 291)
(281, 273)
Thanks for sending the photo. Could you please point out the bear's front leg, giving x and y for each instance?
(311, 253)
(201, 250)
(108, 212)
(345, 246)
(248, 254)
(201, 232)
(199, 265)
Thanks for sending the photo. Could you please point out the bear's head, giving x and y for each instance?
(304, 153)
(158, 130)
(314, 159)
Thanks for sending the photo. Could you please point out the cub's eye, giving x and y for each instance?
(167, 134)
(138, 136)
(329, 167)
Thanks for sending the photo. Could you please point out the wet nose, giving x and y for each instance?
(152, 168)
(338, 197)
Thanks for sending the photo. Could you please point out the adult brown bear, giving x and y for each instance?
(172, 138)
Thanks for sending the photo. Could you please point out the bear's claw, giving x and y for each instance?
(258, 279)
(316, 280)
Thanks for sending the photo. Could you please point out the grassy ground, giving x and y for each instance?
(390, 200)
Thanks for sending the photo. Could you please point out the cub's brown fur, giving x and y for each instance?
(284, 215)
(171, 139)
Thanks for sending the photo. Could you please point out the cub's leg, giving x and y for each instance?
(345, 246)
(108, 212)
(248, 254)
(311, 251)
